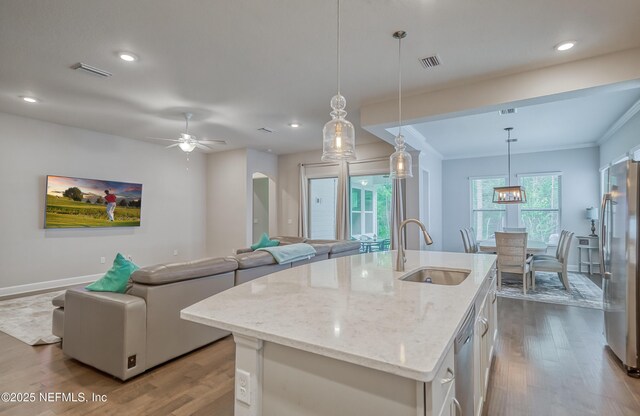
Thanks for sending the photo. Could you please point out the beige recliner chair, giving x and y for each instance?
(126, 334)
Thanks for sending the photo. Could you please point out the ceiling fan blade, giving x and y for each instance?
(162, 138)
(201, 146)
(173, 145)
(212, 142)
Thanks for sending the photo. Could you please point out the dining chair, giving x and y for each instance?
(514, 230)
(469, 247)
(512, 256)
(472, 239)
(558, 265)
(465, 240)
(558, 250)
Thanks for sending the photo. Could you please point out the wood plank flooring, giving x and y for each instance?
(550, 360)
(200, 383)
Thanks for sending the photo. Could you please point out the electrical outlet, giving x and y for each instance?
(102, 260)
(175, 252)
(243, 386)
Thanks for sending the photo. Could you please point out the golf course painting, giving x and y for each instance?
(88, 203)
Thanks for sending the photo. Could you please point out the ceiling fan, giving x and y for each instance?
(188, 142)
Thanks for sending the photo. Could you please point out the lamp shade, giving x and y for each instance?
(592, 213)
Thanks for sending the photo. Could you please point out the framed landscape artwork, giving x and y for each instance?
(85, 203)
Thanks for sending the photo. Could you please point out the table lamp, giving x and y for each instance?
(592, 214)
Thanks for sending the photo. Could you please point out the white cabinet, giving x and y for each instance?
(485, 335)
(442, 388)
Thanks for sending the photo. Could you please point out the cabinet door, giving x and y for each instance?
(449, 408)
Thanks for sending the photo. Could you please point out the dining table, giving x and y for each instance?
(533, 246)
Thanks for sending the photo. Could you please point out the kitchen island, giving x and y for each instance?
(347, 336)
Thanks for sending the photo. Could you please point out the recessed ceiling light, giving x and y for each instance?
(565, 46)
(128, 56)
(294, 125)
(31, 100)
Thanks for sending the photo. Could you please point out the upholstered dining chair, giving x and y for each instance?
(558, 265)
(558, 249)
(514, 229)
(512, 256)
(472, 239)
(469, 245)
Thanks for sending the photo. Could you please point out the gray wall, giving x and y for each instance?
(173, 201)
(580, 187)
(624, 140)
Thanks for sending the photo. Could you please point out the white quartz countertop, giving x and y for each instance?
(355, 309)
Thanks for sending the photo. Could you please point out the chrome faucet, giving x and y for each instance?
(401, 260)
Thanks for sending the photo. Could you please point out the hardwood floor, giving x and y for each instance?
(550, 360)
(200, 383)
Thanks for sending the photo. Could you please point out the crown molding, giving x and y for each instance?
(617, 125)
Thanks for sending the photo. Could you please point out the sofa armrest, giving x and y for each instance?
(243, 250)
(106, 331)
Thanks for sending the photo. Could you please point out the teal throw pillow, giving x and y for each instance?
(264, 242)
(117, 278)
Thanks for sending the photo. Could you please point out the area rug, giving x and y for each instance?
(549, 289)
(29, 318)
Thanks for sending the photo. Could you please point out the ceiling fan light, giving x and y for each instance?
(187, 147)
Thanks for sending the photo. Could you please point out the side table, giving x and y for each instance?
(589, 245)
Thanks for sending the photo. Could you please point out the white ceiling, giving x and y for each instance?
(245, 64)
(567, 123)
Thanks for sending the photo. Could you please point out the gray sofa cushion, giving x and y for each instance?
(160, 274)
(289, 239)
(338, 246)
(321, 248)
(254, 259)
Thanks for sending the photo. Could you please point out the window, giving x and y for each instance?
(486, 217)
(370, 206)
(322, 208)
(541, 213)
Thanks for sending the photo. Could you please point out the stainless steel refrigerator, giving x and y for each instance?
(619, 262)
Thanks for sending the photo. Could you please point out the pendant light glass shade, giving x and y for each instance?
(401, 162)
(401, 166)
(509, 194)
(338, 135)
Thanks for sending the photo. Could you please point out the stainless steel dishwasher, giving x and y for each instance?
(463, 363)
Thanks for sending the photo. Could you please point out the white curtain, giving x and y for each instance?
(342, 204)
(397, 211)
(303, 206)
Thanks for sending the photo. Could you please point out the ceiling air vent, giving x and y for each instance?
(265, 130)
(506, 111)
(430, 61)
(91, 70)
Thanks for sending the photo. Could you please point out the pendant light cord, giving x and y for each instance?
(509, 157)
(338, 48)
(399, 86)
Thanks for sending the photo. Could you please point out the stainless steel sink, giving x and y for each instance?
(437, 276)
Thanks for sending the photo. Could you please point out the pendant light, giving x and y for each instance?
(509, 194)
(338, 135)
(401, 166)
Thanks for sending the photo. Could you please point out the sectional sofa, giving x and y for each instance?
(125, 334)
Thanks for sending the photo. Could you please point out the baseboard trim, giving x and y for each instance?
(51, 284)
